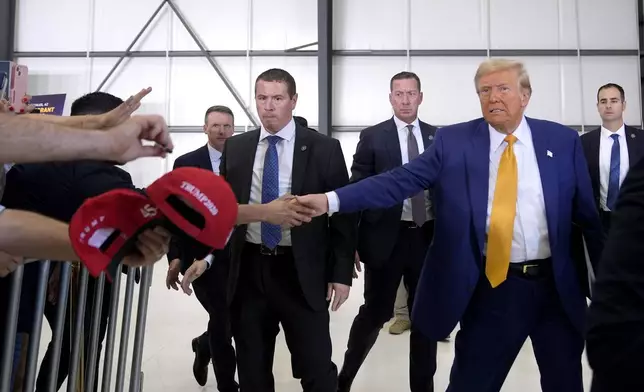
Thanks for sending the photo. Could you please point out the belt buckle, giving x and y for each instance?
(266, 251)
(526, 267)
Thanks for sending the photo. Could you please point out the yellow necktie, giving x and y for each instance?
(504, 209)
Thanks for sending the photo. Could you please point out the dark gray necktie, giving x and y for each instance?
(418, 211)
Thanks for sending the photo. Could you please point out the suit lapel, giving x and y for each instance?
(393, 144)
(428, 134)
(478, 174)
(549, 173)
(592, 158)
(300, 159)
(633, 145)
(204, 158)
(247, 157)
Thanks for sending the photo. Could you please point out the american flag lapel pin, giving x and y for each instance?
(549, 154)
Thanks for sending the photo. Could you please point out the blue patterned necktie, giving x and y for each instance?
(271, 234)
(613, 177)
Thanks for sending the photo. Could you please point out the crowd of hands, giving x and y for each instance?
(128, 137)
(124, 137)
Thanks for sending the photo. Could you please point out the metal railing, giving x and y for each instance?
(79, 324)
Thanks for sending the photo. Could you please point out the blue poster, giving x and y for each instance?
(49, 104)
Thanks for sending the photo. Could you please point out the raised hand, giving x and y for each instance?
(127, 138)
(123, 112)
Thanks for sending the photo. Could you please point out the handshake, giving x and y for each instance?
(291, 211)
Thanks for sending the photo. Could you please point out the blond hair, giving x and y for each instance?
(497, 65)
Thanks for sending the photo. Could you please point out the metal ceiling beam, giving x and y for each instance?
(340, 53)
(640, 29)
(213, 63)
(7, 29)
(129, 48)
(325, 66)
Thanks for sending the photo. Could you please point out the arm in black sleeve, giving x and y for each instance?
(615, 337)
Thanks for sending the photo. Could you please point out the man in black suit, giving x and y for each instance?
(209, 276)
(282, 275)
(615, 334)
(392, 242)
(57, 190)
(611, 149)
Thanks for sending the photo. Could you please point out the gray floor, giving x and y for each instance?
(174, 318)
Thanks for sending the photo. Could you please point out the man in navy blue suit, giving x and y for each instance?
(506, 191)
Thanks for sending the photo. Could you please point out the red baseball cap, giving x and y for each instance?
(198, 202)
(104, 229)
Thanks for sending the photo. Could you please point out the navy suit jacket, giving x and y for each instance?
(378, 151)
(456, 168)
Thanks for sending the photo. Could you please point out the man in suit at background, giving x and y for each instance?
(611, 149)
(505, 189)
(392, 242)
(209, 276)
(281, 275)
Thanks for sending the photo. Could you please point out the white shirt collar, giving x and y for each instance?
(401, 125)
(214, 153)
(286, 133)
(621, 132)
(522, 133)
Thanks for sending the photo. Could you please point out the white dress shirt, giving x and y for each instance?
(215, 158)
(605, 150)
(403, 133)
(530, 237)
(285, 153)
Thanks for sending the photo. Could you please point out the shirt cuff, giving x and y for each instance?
(1, 209)
(208, 259)
(333, 202)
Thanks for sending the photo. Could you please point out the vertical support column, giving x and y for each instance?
(7, 28)
(325, 66)
(640, 29)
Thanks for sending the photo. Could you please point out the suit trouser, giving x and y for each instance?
(268, 293)
(66, 346)
(401, 311)
(381, 285)
(216, 343)
(497, 323)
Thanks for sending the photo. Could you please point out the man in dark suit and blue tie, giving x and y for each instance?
(281, 275)
(506, 190)
(611, 149)
(392, 242)
(208, 276)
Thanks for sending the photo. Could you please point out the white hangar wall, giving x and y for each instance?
(570, 48)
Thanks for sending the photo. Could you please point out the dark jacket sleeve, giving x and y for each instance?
(343, 226)
(615, 338)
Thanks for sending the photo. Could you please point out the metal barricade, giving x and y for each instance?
(73, 349)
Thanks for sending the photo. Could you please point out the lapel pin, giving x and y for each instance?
(632, 136)
(549, 153)
(431, 137)
(303, 148)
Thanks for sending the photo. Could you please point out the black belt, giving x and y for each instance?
(409, 225)
(266, 251)
(531, 268)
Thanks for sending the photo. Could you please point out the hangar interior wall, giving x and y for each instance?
(570, 48)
